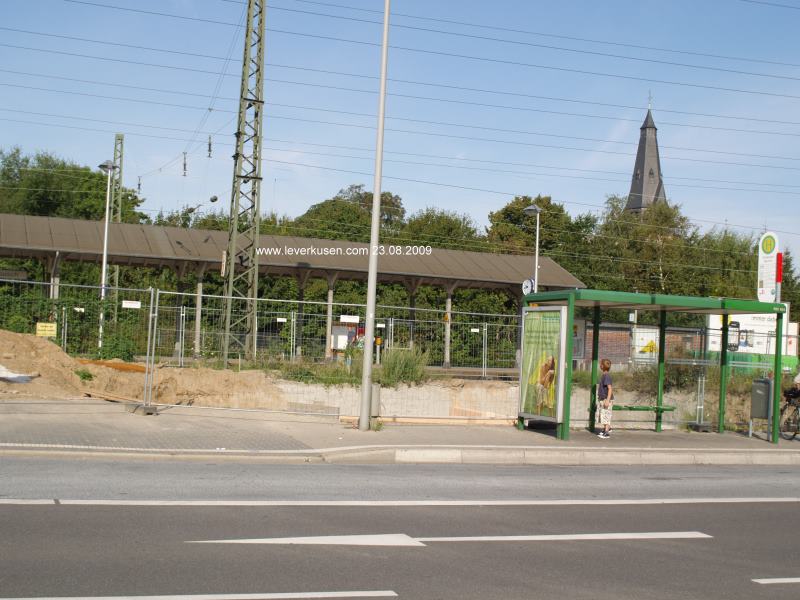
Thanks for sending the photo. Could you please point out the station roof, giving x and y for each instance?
(632, 301)
(23, 236)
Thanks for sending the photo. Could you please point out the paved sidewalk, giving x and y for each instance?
(88, 426)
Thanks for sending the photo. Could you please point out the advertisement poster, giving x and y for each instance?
(543, 349)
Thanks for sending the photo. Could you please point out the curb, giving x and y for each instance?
(466, 455)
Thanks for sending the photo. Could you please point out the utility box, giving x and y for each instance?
(761, 399)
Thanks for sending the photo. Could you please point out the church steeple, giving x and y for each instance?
(647, 184)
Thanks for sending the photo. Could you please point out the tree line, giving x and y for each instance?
(657, 251)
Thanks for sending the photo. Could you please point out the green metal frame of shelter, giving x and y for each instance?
(664, 304)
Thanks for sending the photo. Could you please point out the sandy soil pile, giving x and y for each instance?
(52, 370)
(54, 376)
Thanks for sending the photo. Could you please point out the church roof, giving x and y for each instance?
(648, 121)
(647, 183)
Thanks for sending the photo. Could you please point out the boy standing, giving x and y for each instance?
(605, 394)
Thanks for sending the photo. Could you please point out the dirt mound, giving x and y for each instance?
(53, 371)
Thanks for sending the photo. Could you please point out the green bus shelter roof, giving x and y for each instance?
(633, 301)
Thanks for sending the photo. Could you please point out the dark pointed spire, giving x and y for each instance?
(647, 184)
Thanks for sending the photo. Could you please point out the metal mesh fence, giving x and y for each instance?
(312, 347)
(82, 318)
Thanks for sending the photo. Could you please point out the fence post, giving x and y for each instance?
(595, 364)
(292, 333)
(776, 377)
(198, 319)
(724, 371)
(181, 335)
(64, 328)
(147, 368)
(662, 351)
(485, 350)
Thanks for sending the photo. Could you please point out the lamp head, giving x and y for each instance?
(107, 166)
(531, 210)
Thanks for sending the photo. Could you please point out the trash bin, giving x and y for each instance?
(761, 399)
(761, 402)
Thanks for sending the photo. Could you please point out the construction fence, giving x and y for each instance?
(173, 333)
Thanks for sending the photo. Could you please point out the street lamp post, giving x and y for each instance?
(108, 167)
(372, 272)
(531, 210)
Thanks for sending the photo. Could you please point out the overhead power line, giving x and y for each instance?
(450, 54)
(546, 46)
(331, 72)
(764, 3)
(458, 34)
(428, 134)
(559, 36)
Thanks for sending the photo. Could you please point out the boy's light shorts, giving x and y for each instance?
(605, 416)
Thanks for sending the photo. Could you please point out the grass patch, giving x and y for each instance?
(326, 374)
(402, 366)
(84, 374)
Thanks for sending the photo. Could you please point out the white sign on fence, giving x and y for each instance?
(131, 304)
(281, 319)
(348, 318)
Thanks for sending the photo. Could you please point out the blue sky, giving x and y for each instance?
(711, 172)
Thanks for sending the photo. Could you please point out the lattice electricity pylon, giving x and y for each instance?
(241, 259)
(116, 197)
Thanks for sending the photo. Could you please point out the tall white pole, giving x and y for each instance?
(372, 275)
(104, 267)
(536, 260)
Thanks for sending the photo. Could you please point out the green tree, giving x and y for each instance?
(441, 228)
(45, 185)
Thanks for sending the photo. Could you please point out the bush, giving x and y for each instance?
(84, 374)
(582, 378)
(403, 366)
(117, 346)
(18, 324)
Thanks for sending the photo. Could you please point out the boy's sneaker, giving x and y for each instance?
(603, 435)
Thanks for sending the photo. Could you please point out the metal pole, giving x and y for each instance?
(724, 370)
(292, 332)
(104, 265)
(372, 277)
(64, 328)
(776, 378)
(198, 319)
(182, 335)
(448, 317)
(595, 364)
(147, 368)
(484, 355)
(662, 350)
(536, 260)
(329, 323)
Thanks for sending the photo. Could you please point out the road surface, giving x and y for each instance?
(103, 528)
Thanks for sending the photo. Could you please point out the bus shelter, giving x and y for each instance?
(547, 348)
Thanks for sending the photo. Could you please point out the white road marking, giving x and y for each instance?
(273, 596)
(777, 580)
(401, 539)
(401, 503)
(388, 539)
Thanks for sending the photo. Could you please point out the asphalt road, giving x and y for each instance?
(115, 550)
(161, 479)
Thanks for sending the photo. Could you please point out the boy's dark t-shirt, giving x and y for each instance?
(605, 381)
